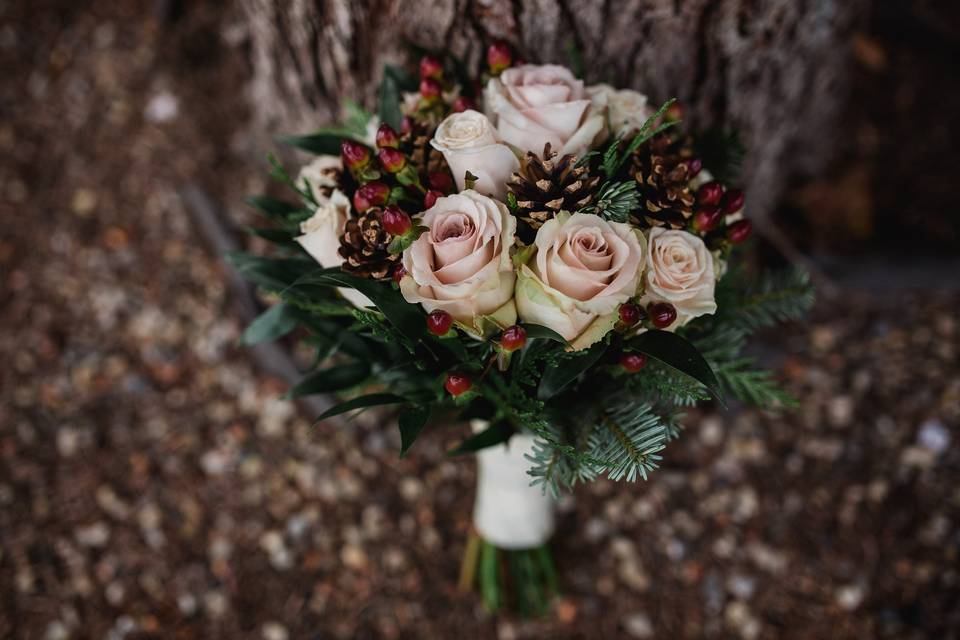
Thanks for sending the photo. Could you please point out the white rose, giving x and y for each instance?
(680, 271)
(532, 105)
(321, 238)
(322, 175)
(627, 110)
(462, 263)
(468, 143)
(584, 268)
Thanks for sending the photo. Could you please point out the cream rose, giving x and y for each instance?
(680, 271)
(584, 268)
(321, 232)
(627, 110)
(532, 105)
(461, 264)
(321, 176)
(468, 142)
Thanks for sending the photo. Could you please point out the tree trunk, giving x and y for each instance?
(775, 70)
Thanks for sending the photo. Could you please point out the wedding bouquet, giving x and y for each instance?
(550, 260)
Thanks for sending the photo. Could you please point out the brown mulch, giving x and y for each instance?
(153, 484)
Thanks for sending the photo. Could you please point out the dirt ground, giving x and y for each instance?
(153, 484)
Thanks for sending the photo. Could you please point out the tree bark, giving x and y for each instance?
(775, 70)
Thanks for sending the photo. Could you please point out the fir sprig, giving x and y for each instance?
(615, 201)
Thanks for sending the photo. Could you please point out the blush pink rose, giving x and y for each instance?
(468, 142)
(584, 268)
(680, 271)
(461, 264)
(532, 105)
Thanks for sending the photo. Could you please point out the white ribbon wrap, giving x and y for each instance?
(508, 512)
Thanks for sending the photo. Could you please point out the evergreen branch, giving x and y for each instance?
(628, 437)
(753, 386)
(775, 297)
(615, 201)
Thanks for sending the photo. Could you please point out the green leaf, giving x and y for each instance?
(272, 208)
(333, 379)
(677, 352)
(272, 273)
(276, 236)
(322, 143)
(546, 333)
(411, 421)
(405, 80)
(388, 101)
(403, 315)
(277, 321)
(361, 402)
(559, 375)
(493, 435)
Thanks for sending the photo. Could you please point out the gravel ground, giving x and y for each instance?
(153, 485)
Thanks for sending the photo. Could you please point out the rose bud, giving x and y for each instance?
(431, 198)
(430, 67)
(710, 193)
(406, 125)
(630, 314)
(439, 322)
(430, 89)
(462, 104)
(662, 314)
(392, 160)
(372, 194)
(440, 181)
(633, 362)
(395, 220)
(398, 273)
(693, 166)
(355, 155)
(739, 231)
(387, 137)
(707, 218)
(457, 384)
(732, 201)
(499, 56)
(513, 338)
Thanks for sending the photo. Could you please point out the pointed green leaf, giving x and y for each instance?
(323, 143)
(388, 101)
(278, 210)
(675, 351)
(333, 379)
(361, 402)
(277, 321)
(411, 421)
(558, 376)
(403, 315)
(493, 435)
(540, 331)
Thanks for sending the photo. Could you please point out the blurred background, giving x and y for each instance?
(153, 484)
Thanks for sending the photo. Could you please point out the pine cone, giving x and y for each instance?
(661, 170)
(544, 187)
(416, 144)
(363, 247)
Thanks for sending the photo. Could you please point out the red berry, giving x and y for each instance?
(633, 362)
(457, 384)
(431, 198)
(499, 56)
(662, 314)
(710, 193)
(439, 322)
(392, 160)
(372, 194)
(674, 112)
(693, 166)
(395, 220)
(513, 338)
(462, 104)
(707, 218)
(739, 231)
(355, 155)
(430, 67)
(732, 201)
(406, 125)
(440, 181)
(630, 314)
(398, 273)
(430, 89)
(387, 137)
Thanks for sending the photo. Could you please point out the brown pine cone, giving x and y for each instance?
(663, 178)
(544, 187)
(363, 247)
